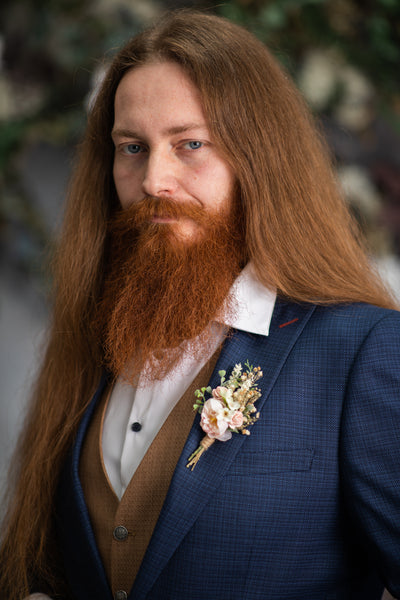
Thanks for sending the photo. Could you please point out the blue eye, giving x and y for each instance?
(195, 145)
(132, 149)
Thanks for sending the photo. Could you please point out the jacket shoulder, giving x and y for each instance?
(356, 315)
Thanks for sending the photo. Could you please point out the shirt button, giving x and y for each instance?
(136, 426)
(120, 533)
(120, 595)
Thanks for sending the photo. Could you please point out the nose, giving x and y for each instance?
(160, 177)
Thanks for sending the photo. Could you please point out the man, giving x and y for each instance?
(204, 230)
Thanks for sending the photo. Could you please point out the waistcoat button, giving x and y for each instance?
(120, 533)
(120, 595)
(136, 426)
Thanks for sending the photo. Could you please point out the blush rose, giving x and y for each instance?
(236, 420)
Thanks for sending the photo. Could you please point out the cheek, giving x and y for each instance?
(127, 185)
(223, 176)
(213, 184)
(224, 186)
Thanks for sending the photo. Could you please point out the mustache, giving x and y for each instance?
(142, 212)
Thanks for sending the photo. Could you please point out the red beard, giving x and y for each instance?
(160, 291)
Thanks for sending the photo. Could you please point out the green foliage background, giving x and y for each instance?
(51, 48)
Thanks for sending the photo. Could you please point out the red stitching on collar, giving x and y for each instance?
(288, 323)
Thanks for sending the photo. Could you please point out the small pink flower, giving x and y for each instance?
(219, 392)
(213, 420)
(236, 420)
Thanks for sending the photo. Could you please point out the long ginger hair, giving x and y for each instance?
(299, 236)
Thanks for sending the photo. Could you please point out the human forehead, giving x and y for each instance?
(158, 92)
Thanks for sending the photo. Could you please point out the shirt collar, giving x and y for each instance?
(254, 303)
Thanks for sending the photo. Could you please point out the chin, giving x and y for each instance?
(187, 234)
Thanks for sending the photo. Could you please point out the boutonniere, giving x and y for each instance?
(230, 409)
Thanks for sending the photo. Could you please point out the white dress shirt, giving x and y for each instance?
(150, 405)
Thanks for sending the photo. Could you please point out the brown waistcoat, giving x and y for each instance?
(122, 550)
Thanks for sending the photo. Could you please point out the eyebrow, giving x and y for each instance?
(169, 131)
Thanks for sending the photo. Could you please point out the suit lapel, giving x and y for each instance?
(190, 491)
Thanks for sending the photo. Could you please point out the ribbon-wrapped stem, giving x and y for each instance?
(194, 458)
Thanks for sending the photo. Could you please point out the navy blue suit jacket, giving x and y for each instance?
(305, 508)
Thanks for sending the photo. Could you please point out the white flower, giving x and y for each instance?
(214, 420)
(318, 78)
(355, 111)
(223, 393)
(359, 190)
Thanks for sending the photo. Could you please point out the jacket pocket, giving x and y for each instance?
(273, 461)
